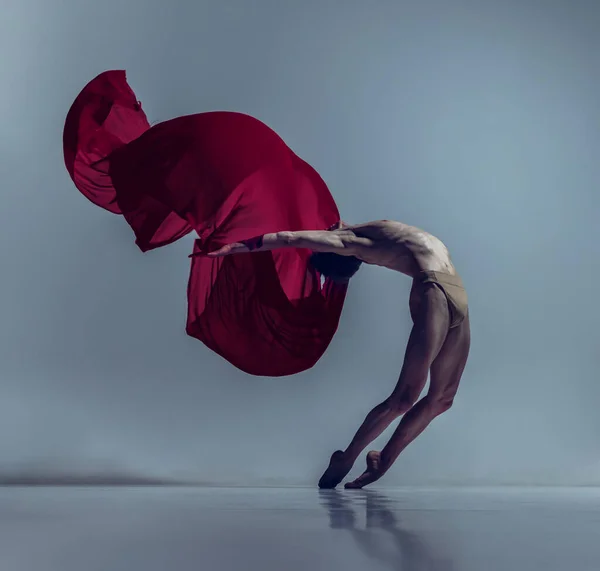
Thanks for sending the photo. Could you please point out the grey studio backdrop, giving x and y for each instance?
(477, 120)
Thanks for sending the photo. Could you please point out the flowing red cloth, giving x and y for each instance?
(228, 177)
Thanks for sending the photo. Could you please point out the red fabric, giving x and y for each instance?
(228, 177)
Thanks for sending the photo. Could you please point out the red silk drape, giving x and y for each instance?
(228, 177)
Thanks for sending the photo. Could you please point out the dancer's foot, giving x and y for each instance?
(338, 469)
(373, 472)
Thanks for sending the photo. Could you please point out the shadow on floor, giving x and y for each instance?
(409, 551)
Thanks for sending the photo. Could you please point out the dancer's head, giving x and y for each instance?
(339, 268)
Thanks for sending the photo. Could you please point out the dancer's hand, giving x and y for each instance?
(257, 243)
(233, 248)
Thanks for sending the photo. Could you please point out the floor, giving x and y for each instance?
(204, 529)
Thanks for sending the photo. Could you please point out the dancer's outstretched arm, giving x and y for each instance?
(342, 241)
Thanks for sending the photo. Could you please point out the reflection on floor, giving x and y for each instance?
(203, 529)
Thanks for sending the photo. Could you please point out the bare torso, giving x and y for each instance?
(401, 247)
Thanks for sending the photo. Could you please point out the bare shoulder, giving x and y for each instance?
(412, 237)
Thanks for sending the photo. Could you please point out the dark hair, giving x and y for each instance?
(339, 268)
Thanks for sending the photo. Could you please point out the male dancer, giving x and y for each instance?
(438, 344)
